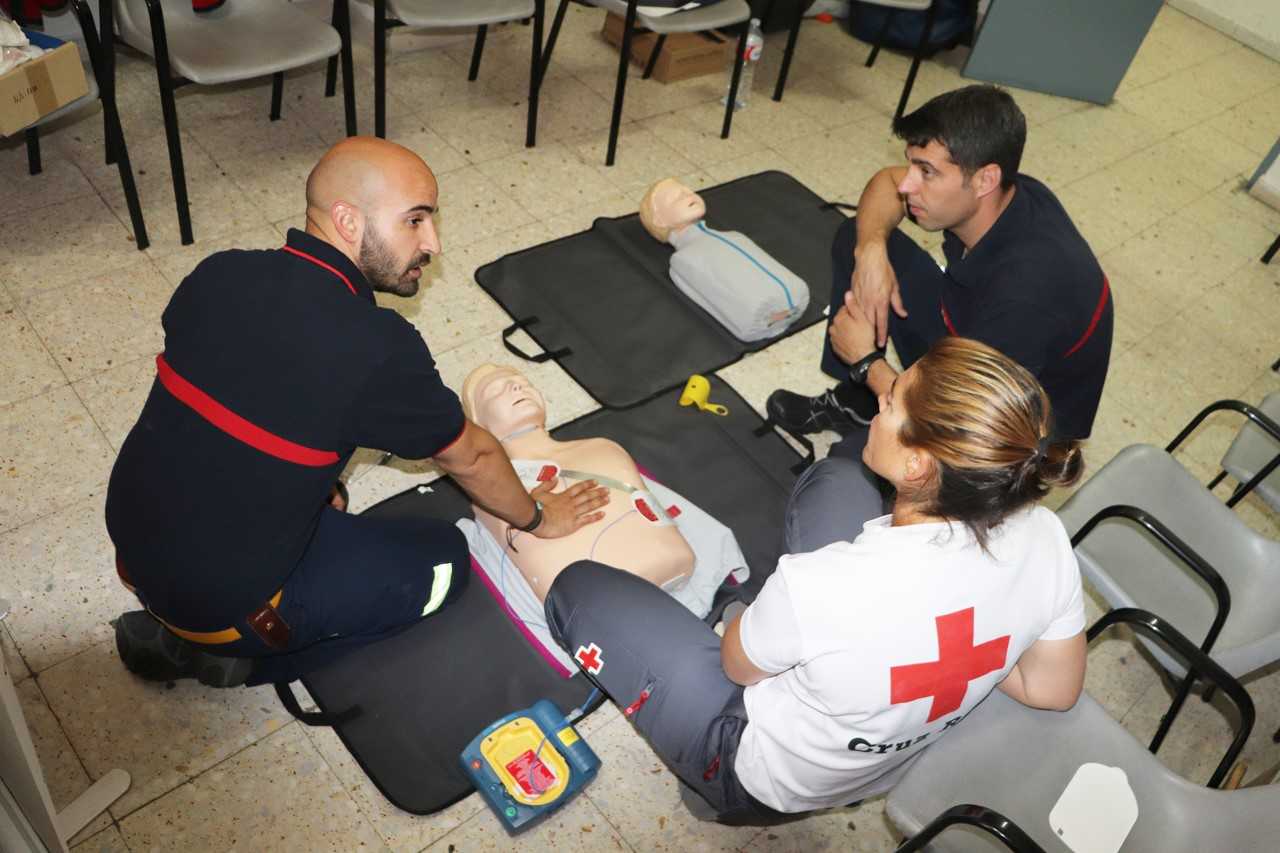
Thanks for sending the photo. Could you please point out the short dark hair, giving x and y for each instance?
(978, 124)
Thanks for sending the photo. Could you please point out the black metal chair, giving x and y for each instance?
(242, 40)
(423, 14)
(988, 820)
(724, 13)
(101, 86)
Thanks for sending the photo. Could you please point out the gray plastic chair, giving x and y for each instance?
(713, 16)
(1252, 453)
(77, 24)
(1148, 534)
(240, 40)
(1021, 760)
(443, 14)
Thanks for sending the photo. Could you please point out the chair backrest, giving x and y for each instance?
(1021, 760)
(1129, 567)
(133, 20)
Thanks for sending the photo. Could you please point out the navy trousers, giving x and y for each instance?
(360, 579)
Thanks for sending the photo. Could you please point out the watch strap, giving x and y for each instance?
(858, 372)
(537, 519)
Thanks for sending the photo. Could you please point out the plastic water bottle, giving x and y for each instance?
(750, 59)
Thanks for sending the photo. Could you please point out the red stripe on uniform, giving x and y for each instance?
(946, 318)
(237, 427)
(322, 264)
(1097, 315)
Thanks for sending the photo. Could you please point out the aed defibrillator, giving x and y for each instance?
(528, 764)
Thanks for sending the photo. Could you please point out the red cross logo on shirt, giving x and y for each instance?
(590, 658)
(959, 662)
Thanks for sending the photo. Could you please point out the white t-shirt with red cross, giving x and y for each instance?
(882, 644)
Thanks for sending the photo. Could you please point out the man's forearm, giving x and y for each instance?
(488, 478)
(879, 209)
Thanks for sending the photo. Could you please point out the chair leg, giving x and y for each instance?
(277, 94)
(551, 38)
(477, 52)
(126, 179)
(884, 31)
(108, 150)
(160, 45)
(33, 151)
(380, 68)
(792, 37)
(624, 54)
(732, 99)
(535, 73)
(1268, 255)
(915, 61)
(1166, 722)
(342, 14)
(653, 57)
(114, 133)
(331, 77)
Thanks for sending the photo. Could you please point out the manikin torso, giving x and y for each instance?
(624, 538)
(724, 272)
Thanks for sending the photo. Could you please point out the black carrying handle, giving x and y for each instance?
(516, 351)
(313, 718)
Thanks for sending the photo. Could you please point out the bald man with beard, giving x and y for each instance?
(277, 365)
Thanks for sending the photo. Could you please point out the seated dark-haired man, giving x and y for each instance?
(1019, 276)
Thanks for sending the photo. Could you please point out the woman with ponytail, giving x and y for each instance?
(879, 632)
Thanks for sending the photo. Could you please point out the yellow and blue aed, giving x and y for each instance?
(528, 764)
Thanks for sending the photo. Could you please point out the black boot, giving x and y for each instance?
(842, 409)
(152, 652)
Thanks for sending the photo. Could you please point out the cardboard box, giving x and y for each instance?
(684, 55)
(38, 87)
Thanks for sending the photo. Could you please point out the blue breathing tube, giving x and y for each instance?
(741, 251)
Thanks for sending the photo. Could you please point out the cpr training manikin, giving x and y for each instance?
(730, 277)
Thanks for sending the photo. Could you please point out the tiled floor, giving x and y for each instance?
(1153, 181)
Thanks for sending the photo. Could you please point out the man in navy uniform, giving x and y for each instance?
(277, 366)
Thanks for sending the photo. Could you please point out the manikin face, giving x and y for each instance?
(675, 206)
(506, 403)
(935, 188)
(400, 237)
(884, 453)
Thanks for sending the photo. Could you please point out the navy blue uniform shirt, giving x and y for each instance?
(1032, 288)
(291, 341)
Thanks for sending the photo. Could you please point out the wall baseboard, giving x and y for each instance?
(1211, 12)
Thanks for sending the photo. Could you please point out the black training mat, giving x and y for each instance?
(601, 303)
(424, 693)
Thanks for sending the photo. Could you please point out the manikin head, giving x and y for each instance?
(502, 400)
(669, 206)
(963, 152)
(374, 200)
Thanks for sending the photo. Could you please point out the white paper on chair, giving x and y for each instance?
(662, 11)
(1096, 811)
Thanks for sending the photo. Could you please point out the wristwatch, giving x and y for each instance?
(859, 370)
(537, 519)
